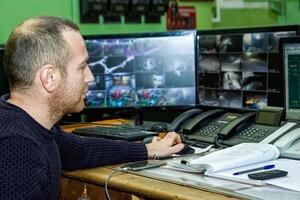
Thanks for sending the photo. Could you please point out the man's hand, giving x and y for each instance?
(165, 147)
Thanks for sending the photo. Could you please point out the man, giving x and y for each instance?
(46, 63)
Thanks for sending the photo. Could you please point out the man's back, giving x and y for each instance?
(29, 161)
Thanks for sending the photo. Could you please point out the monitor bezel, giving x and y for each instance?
(141, 109)
(245, 30)
(3, 80)
(289, 115)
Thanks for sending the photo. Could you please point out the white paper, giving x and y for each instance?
(291, 181)
(237, 156)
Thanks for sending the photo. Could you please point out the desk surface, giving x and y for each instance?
(151, 184)
(143, 186)
(136, 184)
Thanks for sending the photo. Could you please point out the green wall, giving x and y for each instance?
(14, 11)
(245, 18)
(290, 13)
(203, 11)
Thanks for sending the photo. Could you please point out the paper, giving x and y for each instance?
(184, 168)
(291, 181)
(237, 156)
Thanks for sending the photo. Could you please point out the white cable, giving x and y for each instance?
(107, 180)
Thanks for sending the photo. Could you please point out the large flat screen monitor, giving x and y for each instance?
(141, 71)
(241, 68)
(3, 78)
(291, 61)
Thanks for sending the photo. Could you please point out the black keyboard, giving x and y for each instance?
(128, 133)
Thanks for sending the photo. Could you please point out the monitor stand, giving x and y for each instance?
(138, 119)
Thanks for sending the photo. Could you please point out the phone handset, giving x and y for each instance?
(231, 127)
(190, 126)
(175, 124)
(287, 140)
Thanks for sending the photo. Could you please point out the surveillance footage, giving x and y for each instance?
(240, 70)
(232, 69)
(142, 71)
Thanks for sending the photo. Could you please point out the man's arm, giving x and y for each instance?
(84, 152)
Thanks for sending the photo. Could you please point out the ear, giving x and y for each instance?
(49, 77)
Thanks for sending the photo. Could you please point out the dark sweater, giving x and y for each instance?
(31, 156)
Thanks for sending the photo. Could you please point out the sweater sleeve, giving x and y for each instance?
(21, 170)
(83, 152)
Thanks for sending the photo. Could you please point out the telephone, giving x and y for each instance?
(175, 124)
(267, 121)
(289, 144)
(191, 125)
(231, 128)
(208, 132)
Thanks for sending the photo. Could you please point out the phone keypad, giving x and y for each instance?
(253, 134)
(207, 133)
(209, 130)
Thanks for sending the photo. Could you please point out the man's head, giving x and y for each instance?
(34, 43)
(46, 56)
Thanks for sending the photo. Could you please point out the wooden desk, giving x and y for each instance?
(124, 185)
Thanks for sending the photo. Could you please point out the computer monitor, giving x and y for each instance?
(291, 61)
(240, 68)
(142, 71)
(3, 78)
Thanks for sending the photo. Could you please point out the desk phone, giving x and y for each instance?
(231, 128)
(289, 144)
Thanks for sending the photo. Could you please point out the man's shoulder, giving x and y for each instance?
(10, 122)
(14, 129)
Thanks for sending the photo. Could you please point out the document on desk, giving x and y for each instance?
(235, 163)
(233, 157)
(291, 181)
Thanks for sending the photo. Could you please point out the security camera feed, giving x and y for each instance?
(142, 70)
(240, 68)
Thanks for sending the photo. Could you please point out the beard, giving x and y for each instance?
(66, 100)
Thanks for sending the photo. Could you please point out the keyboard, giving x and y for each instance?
(129, 133)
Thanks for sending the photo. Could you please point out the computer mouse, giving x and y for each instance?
(186, 150)
(159, 127)
(147, 140)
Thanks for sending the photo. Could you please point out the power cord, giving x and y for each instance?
(218, 144)
(108, 178)
(183, 139)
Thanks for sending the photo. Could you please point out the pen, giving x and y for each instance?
(254, 169)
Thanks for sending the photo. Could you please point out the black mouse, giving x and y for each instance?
(186, 150)
(159, 127)
(147, 140)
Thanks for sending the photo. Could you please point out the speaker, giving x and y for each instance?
(119, 6)
(140, 7)
(159, 6)
(91, 9)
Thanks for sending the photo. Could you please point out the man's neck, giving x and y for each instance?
(36, 107)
